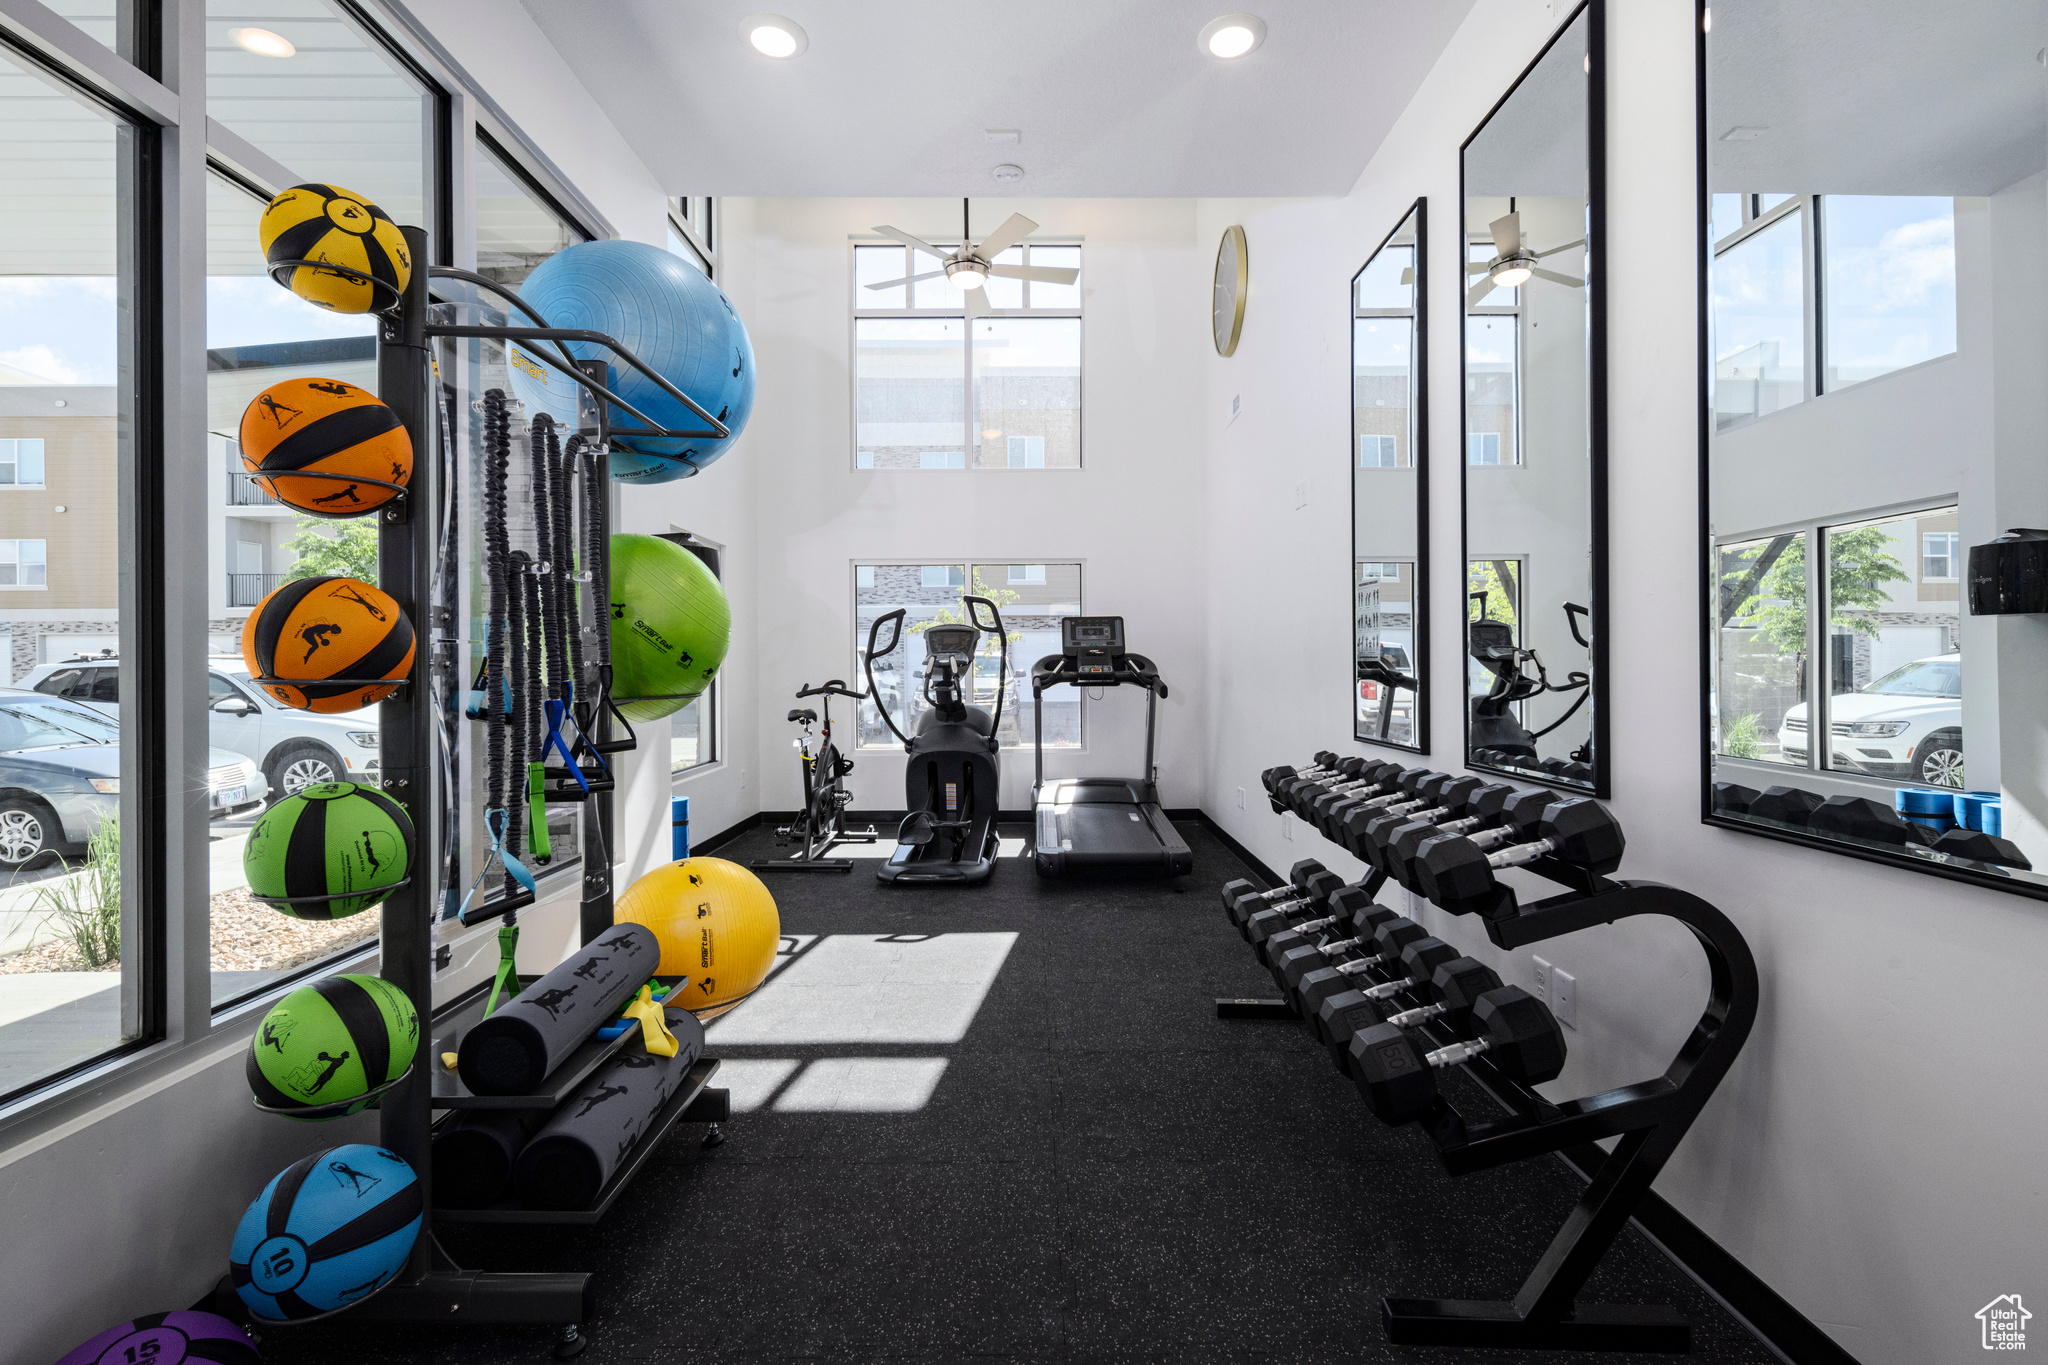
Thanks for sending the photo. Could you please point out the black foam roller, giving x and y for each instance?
(473, 1156)
(575, 1152)
(511, 1051)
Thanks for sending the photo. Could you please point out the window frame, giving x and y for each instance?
(713, 715)
(858, 678)
(1492, 310)
(856, 313)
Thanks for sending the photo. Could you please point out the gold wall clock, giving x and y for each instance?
(1233, 267)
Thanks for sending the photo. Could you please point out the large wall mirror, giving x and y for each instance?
(1535, 422)
(1877, 312)
(1389, 491)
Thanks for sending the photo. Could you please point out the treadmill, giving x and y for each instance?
(1099, 822)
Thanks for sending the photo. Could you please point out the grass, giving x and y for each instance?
(1739, 738)
(86, 907)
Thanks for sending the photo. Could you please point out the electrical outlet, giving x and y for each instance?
(1287, 828)
(1240, 798)
(1542, 991)
(1564, 998)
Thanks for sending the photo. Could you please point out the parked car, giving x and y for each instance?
(1907, 725)
(296, 749)
(60, 776)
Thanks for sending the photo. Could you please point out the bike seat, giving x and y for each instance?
(807, 716)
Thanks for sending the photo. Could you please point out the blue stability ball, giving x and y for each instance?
(675, 320)
(329, 1230)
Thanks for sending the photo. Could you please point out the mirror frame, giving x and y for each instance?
(1709, 587)
(1595, 12)
(1418, 459)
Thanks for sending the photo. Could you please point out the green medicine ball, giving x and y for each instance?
(331, 1042)
(332, 838)
(671, 625)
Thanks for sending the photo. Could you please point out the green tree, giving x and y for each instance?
(334, 548)
(1485, 576)
(1860, 563)
(956, 615)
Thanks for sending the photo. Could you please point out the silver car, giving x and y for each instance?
(60, 776)
(296, 749)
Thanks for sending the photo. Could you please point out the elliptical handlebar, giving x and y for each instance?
(894, 620)
(1003, 647)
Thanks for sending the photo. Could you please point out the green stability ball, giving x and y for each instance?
(331, 1043)
(331, 839)
(671, 625)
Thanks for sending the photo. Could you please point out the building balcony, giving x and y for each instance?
(248, 589)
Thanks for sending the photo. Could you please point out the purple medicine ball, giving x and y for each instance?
(168, 1339)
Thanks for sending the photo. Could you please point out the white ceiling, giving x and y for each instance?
(893, 96)
(1876, 96)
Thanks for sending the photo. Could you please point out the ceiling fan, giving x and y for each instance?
(1513, 262)
(968, 268)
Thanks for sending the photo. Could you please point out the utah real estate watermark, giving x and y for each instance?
(2004, 1321)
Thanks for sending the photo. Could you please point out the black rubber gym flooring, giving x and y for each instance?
(1103, 1170)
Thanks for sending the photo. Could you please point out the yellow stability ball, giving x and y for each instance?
(717, 926)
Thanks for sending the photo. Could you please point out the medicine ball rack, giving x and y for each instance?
(1650, 1118)
(432, 1287)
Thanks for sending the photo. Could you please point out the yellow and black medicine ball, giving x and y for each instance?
(325, 223)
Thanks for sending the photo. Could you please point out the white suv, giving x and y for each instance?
(1907, 725)
(296, 748)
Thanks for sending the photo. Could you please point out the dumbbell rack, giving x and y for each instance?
(432, 1287)
(1650, 1118)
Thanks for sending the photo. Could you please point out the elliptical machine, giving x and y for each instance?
(823, 824)
(951, 784)
(1497, 736)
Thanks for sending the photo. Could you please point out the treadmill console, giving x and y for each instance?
(1094, 643)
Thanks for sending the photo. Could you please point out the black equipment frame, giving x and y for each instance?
(432, 1287)
(820, 837)
(1599, 730)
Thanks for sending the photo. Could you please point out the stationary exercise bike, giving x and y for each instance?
(823, 824)
(951, 782)
(1497, 735)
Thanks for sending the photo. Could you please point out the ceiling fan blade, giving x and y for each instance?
(899, 235)
(1015, 229)
(1478, 292)
(1044, 274)
(1478, 267)
(1407, 275)
(1556, 278)
(977, 304)
(907, 279)
(1566, 247)
(1507, 233)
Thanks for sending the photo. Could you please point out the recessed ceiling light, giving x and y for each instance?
(771, 35)
(1232, 36)
(262, 42)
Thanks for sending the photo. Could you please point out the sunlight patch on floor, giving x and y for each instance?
(871, 988)
(862, 1085)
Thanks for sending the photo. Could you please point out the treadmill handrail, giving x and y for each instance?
(1134, 670)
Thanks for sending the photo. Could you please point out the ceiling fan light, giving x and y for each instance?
(771, 35)
(1232, 36)
(262, 42)
(965, 275)
(1512, 274)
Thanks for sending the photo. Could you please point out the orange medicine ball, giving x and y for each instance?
(338, 432)
(313, 631)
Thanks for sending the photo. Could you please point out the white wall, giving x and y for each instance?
(1128, 514)
(1871, 1155)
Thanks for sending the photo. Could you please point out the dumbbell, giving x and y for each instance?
(1314, 887)
(1316, 950)
(1732, 798)
(1326, 760)
(1786, 805)
(1978, 846)
(1412, 789)
(1858, 817)
(1289, 790)
(1371, 779)
(1239, 888)
(1451, 993)
(1341, 902)
(1456, 871)
(1315, 983)
(1498, 811)
(1454, 798)
(1567, 769)
(1511, 1028)
(1437, 792)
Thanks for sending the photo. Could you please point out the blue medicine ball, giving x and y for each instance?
(329, 1230)
(674, 319)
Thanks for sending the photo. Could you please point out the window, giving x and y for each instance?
(21, 462)
(70, 291)
(1759, 322)
(1378, 572)
(1379, 452)
(1032, 599)
(934, 390)
(24, 563)
(1938, 551)
(1760, 650)
(516, 228)
(1890, 296)
(693, 731)
(1492, 385)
